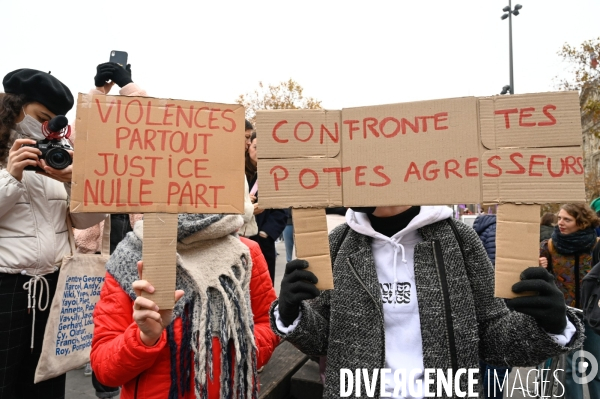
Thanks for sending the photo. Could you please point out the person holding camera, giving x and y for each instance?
(34, 236)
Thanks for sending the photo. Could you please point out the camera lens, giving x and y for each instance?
(58, 158)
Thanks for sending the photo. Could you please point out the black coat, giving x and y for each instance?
(347, 324)
(485, 227)
(545, 232)
(271, 221)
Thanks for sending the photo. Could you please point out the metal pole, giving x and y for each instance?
(510, 53)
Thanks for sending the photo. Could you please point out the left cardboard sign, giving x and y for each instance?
(160, 157)
(143, 154)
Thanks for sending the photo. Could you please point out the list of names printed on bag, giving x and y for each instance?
(76, 316)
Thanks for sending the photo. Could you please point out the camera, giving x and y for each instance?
(54, 150)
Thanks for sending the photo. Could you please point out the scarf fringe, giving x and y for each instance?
(197, 319)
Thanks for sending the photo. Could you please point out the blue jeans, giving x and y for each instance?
(573, 389)
(288, 238)
(487, 371)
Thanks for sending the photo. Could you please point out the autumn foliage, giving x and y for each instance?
(285, 95)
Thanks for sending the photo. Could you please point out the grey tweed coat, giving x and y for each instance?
(346, 324)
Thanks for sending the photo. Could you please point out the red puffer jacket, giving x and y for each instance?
(119, 358)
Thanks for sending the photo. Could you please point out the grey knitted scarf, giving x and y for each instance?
(214, 269)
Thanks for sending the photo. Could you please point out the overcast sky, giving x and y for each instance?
(344, 53)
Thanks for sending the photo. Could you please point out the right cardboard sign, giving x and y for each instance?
(519, 149)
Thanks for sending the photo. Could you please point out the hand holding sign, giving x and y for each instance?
(150, 319)
(547, 307)
(297, 285)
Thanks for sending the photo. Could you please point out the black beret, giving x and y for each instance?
(249, 125)
(41, 87)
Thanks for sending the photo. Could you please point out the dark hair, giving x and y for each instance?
(250, 168)
(548, 219)
(10, 108)
(584, 216)
(249, 125)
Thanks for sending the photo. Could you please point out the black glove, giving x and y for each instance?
(104, 73)
(122, 76)
(548, 307)
(297, 285)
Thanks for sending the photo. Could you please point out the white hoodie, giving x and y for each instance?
(394, 263)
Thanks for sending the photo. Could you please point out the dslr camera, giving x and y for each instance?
(54, 151)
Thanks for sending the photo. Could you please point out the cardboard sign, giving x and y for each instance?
(531, 120)
(516, 149)
(159, 157)
(312, 244)
(502, 149)
(300, 183)
(159, 253)
(142, 154)
(299, 133)
(533, 175)
(517, 245)
(411, 154)
(299, 153)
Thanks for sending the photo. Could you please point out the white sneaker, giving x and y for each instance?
(88, 370)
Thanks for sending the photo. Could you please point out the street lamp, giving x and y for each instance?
(508, 13)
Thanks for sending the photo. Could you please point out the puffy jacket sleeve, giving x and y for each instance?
(262, 295)
(84, 220)
(134, 218)
(89, 241)
(118, 355)
(10, 191)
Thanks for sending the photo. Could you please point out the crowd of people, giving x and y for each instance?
(413, 286)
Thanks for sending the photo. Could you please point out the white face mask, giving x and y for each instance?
(29, 128)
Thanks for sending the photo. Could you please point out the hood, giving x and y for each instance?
(360, 222)
(200, 227)
(390, 251)
(483, 222)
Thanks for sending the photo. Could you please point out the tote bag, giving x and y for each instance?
(68, 335)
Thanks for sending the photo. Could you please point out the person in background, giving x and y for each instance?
(595, 205)
(34, 236)
(249, 228)
(89, 241)
(485, 227)
(270, 222)
(568, 256)
(547, 224)
(248, 133)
